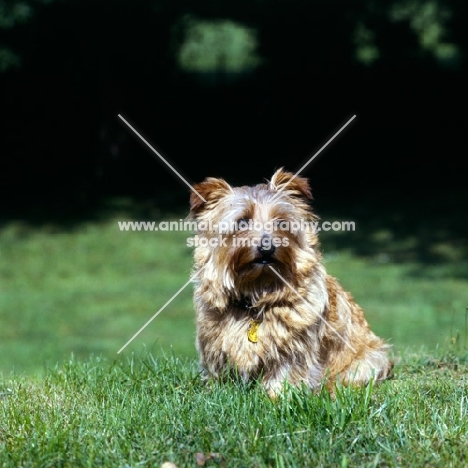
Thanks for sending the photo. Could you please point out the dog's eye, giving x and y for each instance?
(243, 224)
(282, 225)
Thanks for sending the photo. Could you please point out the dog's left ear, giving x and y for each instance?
(288, 183)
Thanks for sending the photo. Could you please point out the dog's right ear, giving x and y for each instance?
(207, 193)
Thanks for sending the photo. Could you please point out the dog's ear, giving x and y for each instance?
(208, 192)
(287, 182)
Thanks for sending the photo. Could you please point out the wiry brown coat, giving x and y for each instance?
(309, 328)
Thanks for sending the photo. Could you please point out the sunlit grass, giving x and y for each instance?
(145, 411)
(88, 290)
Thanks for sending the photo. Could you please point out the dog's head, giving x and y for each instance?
(253, 240)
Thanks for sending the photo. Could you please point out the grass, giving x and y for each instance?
(145, 411)
(85, 288)
(88, 289)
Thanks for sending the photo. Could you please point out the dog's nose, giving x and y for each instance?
(266, 247)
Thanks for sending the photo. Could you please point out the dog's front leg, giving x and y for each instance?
(284, 375)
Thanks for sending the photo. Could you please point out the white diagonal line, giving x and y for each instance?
(320, 317)
(325, 145)
(315, 155)
(159, 311)
(162, 159)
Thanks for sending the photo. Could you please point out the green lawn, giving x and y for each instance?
(71, 295)
(145, 411)
(87, 288)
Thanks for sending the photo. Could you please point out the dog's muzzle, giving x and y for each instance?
(266, 249)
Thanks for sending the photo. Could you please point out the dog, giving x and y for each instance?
(266, 309)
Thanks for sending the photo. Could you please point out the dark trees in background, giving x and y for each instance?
(286, 76)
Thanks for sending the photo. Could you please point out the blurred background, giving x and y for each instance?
(235, 90)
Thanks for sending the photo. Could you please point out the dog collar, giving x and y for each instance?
(255, 317)
(243, 303)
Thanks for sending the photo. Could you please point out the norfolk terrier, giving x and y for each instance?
(266, 309)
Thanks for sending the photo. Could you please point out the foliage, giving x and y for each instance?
(428, 19)
(230, 39)
(13, 13)
(217, 45)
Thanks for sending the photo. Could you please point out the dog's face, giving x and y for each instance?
(252, 239)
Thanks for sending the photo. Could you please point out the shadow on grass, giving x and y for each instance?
(424, 229)
(68, 213)
(429, 232)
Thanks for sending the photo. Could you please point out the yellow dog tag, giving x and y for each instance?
(252, 331)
